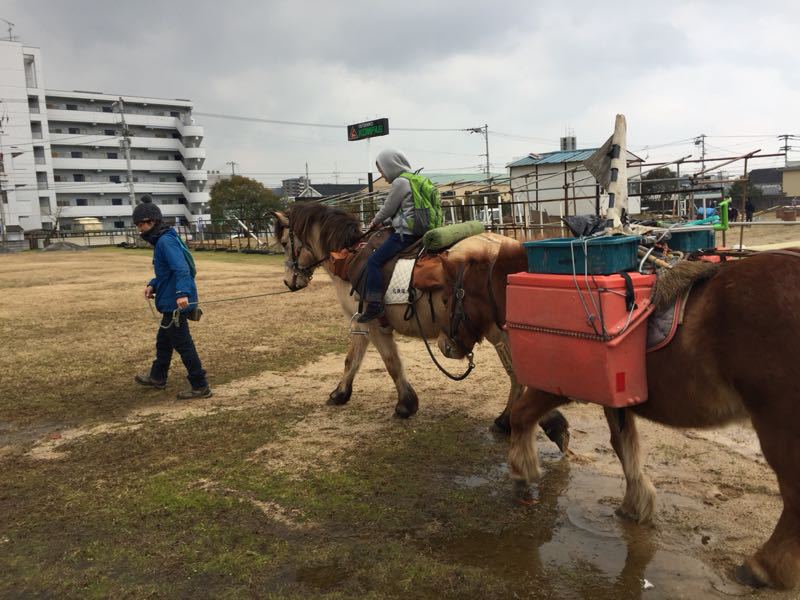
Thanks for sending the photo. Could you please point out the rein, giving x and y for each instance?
(470, 364)
(307, 271)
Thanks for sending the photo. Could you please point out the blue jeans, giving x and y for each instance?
(180, 339)
(388, 250)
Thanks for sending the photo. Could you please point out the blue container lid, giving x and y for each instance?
(609, 240)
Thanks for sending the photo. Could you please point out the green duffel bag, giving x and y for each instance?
(444, 237)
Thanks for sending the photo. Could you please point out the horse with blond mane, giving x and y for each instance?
(309, 232)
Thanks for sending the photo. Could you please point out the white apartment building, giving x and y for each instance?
(63, 158)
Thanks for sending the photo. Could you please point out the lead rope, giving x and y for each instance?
(176, 314)
(470, 355)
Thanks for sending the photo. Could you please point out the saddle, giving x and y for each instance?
(349, 264)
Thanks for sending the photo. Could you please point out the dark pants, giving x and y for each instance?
(171, 338)
(388, 250)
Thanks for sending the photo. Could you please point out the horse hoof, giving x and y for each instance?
(337, 397)
(744, 575)
(401, 411)
(502, 425)
(626, 514)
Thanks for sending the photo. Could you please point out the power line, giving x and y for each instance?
(309, 124)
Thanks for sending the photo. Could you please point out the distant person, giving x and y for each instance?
(749, 209)
(410, 219)
(175, 291)
(733, 213)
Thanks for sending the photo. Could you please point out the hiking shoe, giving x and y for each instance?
(203, 392)
(374, 310)
(148, 381)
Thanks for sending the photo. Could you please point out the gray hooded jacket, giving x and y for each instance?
(399, 204)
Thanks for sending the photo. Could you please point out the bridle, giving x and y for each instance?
(458, 316)
(299, 270)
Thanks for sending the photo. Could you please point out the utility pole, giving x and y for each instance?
(3, 193)
(700, 140)
(485, 132)
(125, 144)
(786, 147)
(233, 166)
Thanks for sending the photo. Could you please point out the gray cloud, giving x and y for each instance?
(530, 69)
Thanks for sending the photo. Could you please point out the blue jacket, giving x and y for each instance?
(173, 278)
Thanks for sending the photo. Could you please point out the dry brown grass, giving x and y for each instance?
(76, 329)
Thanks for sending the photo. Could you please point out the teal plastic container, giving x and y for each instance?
(690, 240)
(606, 255)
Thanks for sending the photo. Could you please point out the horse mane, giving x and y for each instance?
(674, 282)
(337, 229)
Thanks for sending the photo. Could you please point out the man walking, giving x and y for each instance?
(176, 298)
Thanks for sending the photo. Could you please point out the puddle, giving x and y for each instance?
(574, 546)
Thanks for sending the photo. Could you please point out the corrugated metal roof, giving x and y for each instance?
(446, 178)
(560, 156)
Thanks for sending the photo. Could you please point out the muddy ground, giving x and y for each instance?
(264, 491)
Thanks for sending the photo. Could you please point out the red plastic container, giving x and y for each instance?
(555, 348)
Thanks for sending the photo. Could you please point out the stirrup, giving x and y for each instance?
(354, 330)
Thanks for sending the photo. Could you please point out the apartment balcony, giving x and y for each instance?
(137, 142)
(171, 167)
(124, 210)
(99, 187)
(197, 197)
(103, 118)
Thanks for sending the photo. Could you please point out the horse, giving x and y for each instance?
(309, 232)
(732, 359)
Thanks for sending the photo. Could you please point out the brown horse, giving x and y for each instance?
(733, 358)
(309, 232)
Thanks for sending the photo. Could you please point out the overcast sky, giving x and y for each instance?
(531, 70)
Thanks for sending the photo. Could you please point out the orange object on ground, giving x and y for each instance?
(586, 341)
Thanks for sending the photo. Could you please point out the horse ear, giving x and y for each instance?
(280, 217)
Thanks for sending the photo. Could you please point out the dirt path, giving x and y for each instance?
(717, 498)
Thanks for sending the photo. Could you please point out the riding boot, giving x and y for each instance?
(374, 310)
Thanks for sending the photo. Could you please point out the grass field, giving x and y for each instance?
(110, 490)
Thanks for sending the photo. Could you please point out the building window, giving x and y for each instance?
(112, 155)
(162, 179)
(74, 130)
(66, 227)
(175, 113)
(116, 202)
(110, 132)
(56, 130)
(114, 178)
(108, 109)
(135, 180)
(72, 107)
(78, 177)
(119, 224)
(81, 202)
(56, 178)
(162, 157)
(75, 154)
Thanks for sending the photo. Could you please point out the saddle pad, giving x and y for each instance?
(663, 325)
(397, 292)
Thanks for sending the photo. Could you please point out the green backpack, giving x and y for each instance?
(427, 204)
(189, 258)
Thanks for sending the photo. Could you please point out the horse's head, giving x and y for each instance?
(475, 296)
(468, 308)
(309, 232)
(300, 261)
